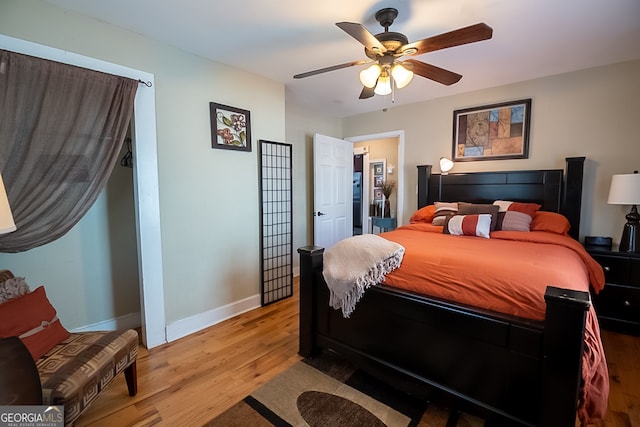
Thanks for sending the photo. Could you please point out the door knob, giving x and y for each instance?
(318, 213)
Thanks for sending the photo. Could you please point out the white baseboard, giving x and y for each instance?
(128, 321)
(184, 327)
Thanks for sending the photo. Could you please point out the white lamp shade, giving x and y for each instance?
(369, 76)
(6, 218)
(384, 85)
(401, 75)
(445, 165)
(625, 189)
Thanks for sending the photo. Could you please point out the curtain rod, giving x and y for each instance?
(147, 83)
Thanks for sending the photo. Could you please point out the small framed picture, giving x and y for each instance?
(230, 127)
(377, 194)
(377, 181)
(378, 169)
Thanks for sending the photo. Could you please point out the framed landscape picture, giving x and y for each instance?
(492, 132)
(230, 127)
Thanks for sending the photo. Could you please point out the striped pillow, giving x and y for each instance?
(515, 216)
(468, 225)
(478, 208)
(443, 211)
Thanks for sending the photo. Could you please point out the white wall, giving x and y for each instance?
(208, 198)
(592, 113)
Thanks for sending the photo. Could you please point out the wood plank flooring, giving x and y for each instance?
(191, 380)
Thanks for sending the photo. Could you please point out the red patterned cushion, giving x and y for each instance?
(32, 318)
(468, 225)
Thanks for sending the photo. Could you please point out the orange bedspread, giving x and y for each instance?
(507, 273)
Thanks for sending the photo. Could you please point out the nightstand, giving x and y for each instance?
(618, 304)
(384, 224)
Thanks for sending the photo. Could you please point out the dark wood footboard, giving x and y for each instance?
(519, 371)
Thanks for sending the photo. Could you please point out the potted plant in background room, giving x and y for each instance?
(387, 189)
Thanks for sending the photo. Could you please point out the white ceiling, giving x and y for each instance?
(280, 38)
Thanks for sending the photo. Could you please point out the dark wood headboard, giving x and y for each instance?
(556, 190)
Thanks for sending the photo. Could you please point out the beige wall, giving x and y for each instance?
(592, 113)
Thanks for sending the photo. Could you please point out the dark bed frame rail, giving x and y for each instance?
(512, 370)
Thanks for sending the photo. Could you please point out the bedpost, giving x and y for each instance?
(572, 195)
(310, 264)
(562, 351)
(424, 173)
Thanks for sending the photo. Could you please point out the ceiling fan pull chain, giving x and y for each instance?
(393, 91)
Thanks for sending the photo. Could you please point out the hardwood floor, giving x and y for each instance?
(623, 360)
(191, 380)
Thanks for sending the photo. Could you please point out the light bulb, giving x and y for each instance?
(384, 85)
(369, 76)
(401, 75)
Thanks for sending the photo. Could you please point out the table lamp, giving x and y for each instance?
(445, 166)
(6, 218)
(625, 190)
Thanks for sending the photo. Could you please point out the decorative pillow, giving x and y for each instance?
(477, 208)
(528, 208)
(515, 216)
(444, 210)
(513, 221)
(424, 214)
(32, 318)
(550, 221)
(13, 288)
(468, 225)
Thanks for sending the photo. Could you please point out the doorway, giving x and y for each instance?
(392, 171)
(357, 192)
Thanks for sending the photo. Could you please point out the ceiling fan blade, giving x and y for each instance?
(470, 34)
(360, 33)
(367, 92)
(432, 72)
(332, 68)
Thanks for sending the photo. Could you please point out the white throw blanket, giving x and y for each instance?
(354, 264)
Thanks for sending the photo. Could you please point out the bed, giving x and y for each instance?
(511, 369)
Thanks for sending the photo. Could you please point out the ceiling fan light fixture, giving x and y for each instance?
(384, 85)
(401, 75)
(369, 76)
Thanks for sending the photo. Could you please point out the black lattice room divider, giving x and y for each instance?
(276, 220)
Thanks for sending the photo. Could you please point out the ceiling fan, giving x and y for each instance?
(385, 49)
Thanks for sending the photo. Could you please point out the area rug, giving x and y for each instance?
(327, 391)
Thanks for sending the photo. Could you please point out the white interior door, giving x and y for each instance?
(333, 190)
